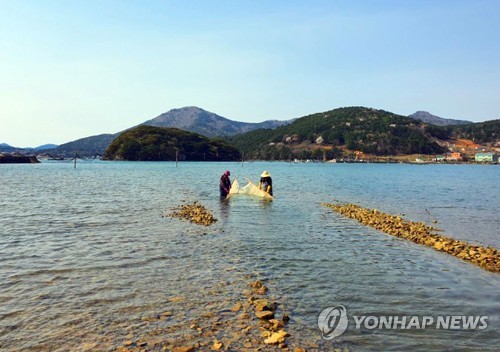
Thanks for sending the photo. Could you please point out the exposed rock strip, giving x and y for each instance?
(418, 232)
(194, 212)
(248, 324)
(271, 328)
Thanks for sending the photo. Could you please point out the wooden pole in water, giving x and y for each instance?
(74, 167)
(176, 157)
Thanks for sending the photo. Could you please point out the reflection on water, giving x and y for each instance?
(86, 256)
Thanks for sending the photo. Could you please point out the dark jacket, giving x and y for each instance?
(225, 185)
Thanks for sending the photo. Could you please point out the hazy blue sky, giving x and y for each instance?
(75, 68)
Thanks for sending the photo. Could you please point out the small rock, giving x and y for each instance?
(236, 307)
(183, 349)
(261, 291)
(256, 284)
(247, 344)
(263, 304)
(277, 324)
(176, 299)
(217, 345)
(276, 338)
(89, 346)
(265, 314)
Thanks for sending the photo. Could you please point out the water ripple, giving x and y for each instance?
(91, 255)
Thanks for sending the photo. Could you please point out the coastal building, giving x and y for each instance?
(454, 156)
(487, 157)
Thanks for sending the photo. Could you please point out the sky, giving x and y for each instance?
(75, 68)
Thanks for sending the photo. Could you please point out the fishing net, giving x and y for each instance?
(250, 189)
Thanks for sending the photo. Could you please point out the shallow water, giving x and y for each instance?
(85, 254)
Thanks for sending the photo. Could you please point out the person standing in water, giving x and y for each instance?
(266, 183)
(225, 184)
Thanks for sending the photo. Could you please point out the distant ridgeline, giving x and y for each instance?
(327, 134)
(355, 128)
(147, 143)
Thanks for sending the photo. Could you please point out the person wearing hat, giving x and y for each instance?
(225, 184)
(266, 183)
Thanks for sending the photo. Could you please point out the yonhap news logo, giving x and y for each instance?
(333, 322)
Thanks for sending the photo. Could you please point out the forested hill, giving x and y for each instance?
(355, 128)
(481, 132)
(147, 143)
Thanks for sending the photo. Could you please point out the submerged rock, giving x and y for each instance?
(486, 257)
(265, 314)
(276, 338)
(195, 212)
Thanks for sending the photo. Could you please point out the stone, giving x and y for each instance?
(236, 307)
(89, 346)
(276, 338)
(183, 349)
(176, 299)
(261, 291)
(276, 324)
(263, 304)
(217, 345)
(256, 284)
(265, 314)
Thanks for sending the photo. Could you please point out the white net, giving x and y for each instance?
(249, 189)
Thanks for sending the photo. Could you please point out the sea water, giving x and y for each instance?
(85, 253)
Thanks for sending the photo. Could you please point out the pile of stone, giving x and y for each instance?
(271, 328)
(250, 324)
(195, 213)
(486, 257)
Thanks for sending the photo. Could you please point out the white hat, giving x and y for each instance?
(265, 174)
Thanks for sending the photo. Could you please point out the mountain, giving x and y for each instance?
(148, 143)
(45, 147)
(427, 117)
(194, 119)
(6, 148)
(190, 119)
(84, 147)
(353, 129)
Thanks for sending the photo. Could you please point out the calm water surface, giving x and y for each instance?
(86, 253)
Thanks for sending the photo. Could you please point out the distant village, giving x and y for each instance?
(464, 150)
(461, 151)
